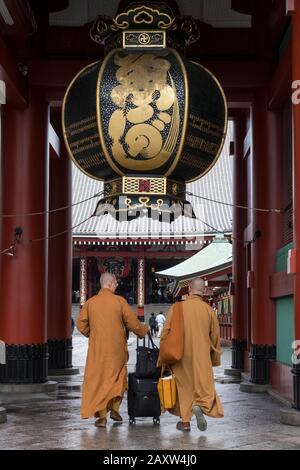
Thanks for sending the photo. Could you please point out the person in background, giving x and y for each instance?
(194, 372)
(153, 324)
(160, 323)
(72, 325)
(104, 319)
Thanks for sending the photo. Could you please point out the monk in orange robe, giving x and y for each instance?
(104, 319)
(194, 373)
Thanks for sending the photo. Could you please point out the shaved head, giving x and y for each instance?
(107, 280)
(197, 286)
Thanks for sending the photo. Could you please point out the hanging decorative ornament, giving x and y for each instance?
(145, 121)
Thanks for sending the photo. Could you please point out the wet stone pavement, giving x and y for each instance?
(52, 421)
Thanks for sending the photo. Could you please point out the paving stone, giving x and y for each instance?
(58, 372)
(290, 416)
(49, 386)
(252, 421)
(69, 386)
(3, 417)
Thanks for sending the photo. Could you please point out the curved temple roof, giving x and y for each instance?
(214, 257)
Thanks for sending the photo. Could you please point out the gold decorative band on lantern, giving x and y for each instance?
(144, 185)
(141, 39)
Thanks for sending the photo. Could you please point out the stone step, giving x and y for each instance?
(233, 372)
(3, 417)
(290, 417)
(227, 379)
(69, 386)
(245, 376)
(69, 371)
(49, 386)
(250, 387)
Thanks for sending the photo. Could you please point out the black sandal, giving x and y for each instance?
(182, 426)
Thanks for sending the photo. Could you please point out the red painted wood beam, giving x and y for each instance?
(281, 284)
(266, 160)
(238, 99)
(22, 21)
(281, 379)
(277, 20)
(218, 283)
(240, 190)
(57, 5)
(24, 155)
(56, 74)
(135, 254)
(215, 274)
(296, 169)
(280, 85)
(16, 91)
(242, 6)
(239, 74)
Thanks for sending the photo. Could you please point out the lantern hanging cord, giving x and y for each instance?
(11, 251)
(50, 237)
(226, 235)
(277, 211)
(51, 211)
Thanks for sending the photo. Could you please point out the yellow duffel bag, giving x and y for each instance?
(167, 390)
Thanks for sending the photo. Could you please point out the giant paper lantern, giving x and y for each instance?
(145, 121)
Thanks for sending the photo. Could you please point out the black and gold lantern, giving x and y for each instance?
(144, 120)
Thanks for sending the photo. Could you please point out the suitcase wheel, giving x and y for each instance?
(156, 420)
(131, 420)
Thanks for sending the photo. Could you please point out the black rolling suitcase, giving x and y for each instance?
(142, 398)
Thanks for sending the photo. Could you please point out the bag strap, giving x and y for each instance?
(165, 367)
(150, 340)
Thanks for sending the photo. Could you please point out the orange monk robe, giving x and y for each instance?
(103, 319)
(194, 373)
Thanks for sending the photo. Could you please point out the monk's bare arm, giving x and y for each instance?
(131, 322)
(215, 339)
(83, 321)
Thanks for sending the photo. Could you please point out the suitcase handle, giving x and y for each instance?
(150, 341)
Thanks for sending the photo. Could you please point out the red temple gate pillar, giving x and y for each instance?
(141, 289)
(296, 197)
(239, 267)
(23, 296)
(267, 233)
(60, 264)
